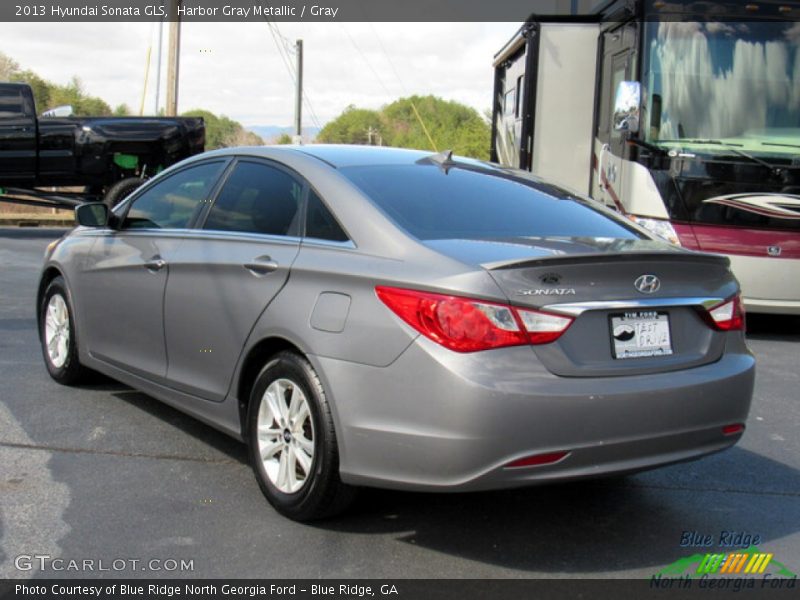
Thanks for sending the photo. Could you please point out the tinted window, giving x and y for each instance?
(431, 204)
(320, 223)
(257, 198)
(174, 201)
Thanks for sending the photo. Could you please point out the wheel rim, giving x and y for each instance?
(56, 330)
(286, 435)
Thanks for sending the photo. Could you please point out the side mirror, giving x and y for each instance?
(627, 103)
(92, 214)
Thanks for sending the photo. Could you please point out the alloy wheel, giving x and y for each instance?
(56, 330)
(286, 435)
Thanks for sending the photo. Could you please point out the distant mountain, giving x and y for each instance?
(270, 132)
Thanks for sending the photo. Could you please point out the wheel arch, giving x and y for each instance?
(48, 275)
(251, 366)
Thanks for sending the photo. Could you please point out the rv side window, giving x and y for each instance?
(510, 102)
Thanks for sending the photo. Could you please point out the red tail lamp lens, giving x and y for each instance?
(467, 325)
(543, 327)
(728, 316)
(456, 323)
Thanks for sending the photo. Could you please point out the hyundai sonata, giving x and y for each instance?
(379, 317)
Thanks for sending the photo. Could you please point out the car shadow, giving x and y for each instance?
(598, 526)
(206, 434)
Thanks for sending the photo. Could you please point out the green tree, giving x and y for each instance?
(122, 110)
(222, 132)
(217, 128)
(48, 95)
(451, 125)
(8, 67)
(283, 139)
(40, 87)
(353, 127)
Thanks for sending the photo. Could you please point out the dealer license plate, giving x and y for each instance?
(640, 334)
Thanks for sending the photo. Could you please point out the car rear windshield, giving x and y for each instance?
(431, 204)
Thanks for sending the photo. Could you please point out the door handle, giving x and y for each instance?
(155, 264)
(261, 265)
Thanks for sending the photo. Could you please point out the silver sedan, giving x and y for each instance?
(379, 317)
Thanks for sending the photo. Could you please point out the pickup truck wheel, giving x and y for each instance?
(120, 190)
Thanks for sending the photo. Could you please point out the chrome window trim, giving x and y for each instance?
(578, 308)
(240, 235)
(347, 244)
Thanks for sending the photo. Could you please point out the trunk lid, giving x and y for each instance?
(618, 329)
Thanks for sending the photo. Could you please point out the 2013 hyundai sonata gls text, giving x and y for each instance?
(382, 317)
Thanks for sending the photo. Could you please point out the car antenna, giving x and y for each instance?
(444, 159)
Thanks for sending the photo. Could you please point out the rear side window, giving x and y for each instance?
(320, 223)
(257, 198)
(11, 106)
(173, 202)
(431, 204)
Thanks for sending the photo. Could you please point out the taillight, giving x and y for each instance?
(543, 327)
(728, 316)
(467, 325)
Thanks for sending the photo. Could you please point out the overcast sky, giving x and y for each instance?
(235, 68)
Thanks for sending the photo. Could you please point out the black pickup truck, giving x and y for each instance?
(106, 156)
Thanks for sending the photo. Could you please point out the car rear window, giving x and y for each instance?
(431, 204)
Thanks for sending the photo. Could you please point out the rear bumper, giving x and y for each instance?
(438, 420)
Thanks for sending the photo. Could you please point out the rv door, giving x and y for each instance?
(617, 55)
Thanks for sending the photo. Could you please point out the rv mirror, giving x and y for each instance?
(626, 106)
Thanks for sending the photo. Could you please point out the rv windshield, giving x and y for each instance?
(737, 83)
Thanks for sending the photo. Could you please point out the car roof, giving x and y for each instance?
(342, 155)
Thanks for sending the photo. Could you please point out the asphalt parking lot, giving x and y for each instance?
(105, 473)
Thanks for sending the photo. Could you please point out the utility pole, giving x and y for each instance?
(173, 59)
(373, 133)
(158, 63)
(298, 108)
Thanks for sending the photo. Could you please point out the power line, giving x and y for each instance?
(388, 58)
(383, 85)
(285, 51)
(366, 61)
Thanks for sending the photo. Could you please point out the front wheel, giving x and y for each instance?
(57, 334)
(292, 441)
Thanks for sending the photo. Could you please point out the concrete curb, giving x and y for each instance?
(35, 220)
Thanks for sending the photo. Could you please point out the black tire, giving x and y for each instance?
(322, 494)
(120, 190)
(70, 371)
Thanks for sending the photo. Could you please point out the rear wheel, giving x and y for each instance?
(120, 190)
(57, 334)
(292, 441)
